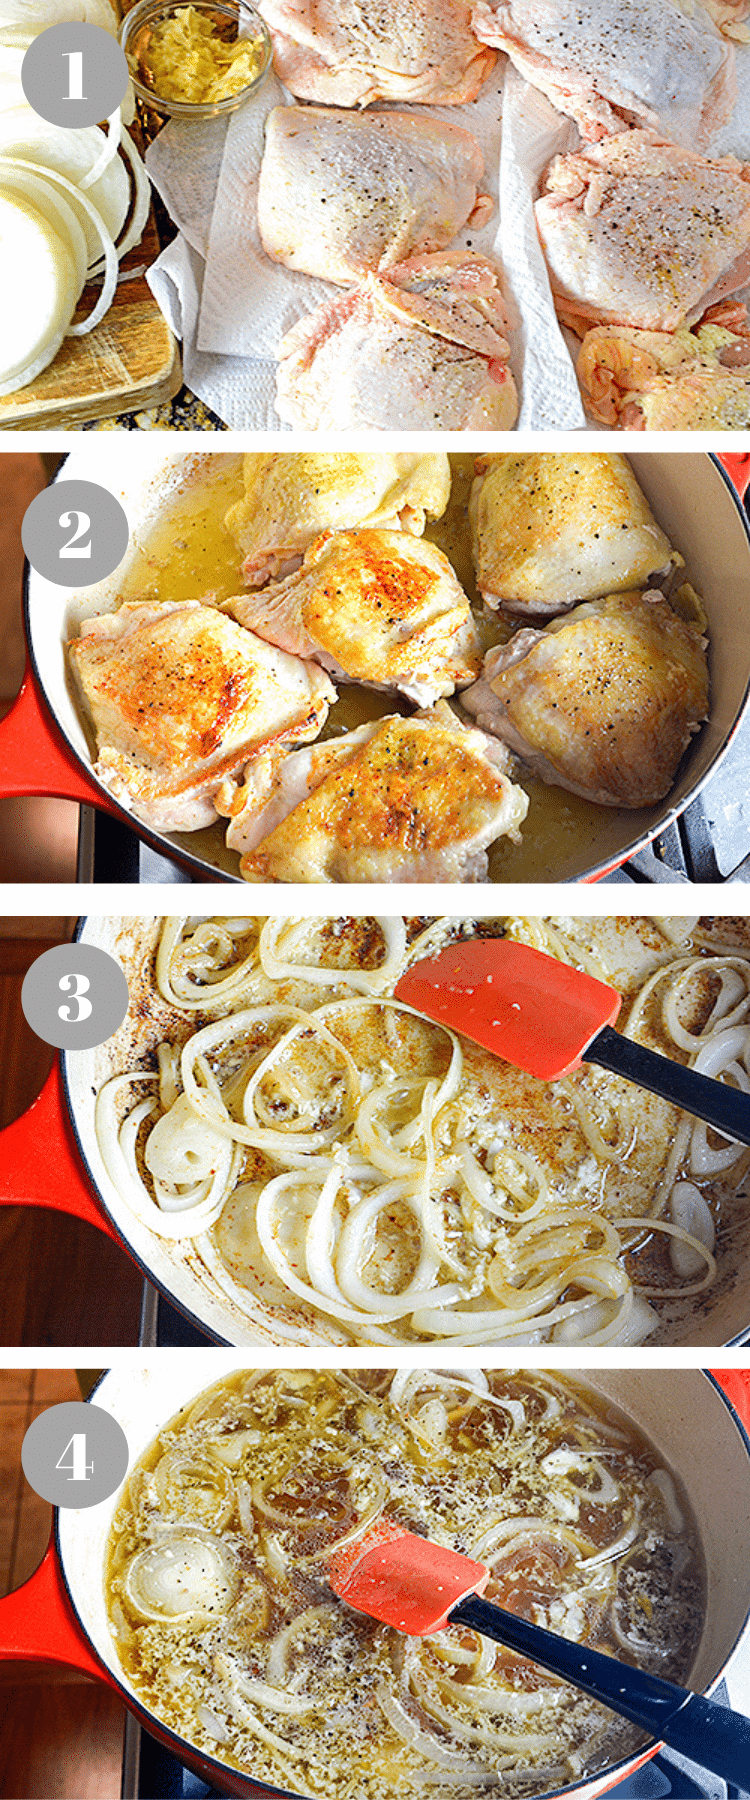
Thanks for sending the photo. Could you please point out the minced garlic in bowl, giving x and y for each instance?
(195, 59)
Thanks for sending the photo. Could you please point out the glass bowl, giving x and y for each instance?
(233, 19)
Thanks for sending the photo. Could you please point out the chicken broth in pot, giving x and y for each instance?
(227, 1627)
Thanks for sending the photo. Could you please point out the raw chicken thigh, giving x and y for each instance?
(397, 800)
(689, 380)
(603, 701)
(551, 529)
(613, 63)
(374, 606)
(345, 193)
(351, 52)
(638, 232)
(424, 349)
(180, 697)
(292, 496)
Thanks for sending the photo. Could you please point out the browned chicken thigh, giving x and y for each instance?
(292, 496)
(552, 528)
(603, 701)
(373, 606)
(180, 697)
(397, 800)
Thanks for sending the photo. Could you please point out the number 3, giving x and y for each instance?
(85, 1008)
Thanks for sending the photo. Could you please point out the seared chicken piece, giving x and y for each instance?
(343, 194)
(604, 701)
(656, 381)
(292, 496)
(551, 529)
(351, 52)
(610, 64)
(373, 606)
(180, 697)
(398, 800)
(638, 232)
(426, 348)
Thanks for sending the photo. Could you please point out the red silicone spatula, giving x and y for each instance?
(419, 1587)
(547, 1018)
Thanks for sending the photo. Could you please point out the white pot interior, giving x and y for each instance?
(690, 499)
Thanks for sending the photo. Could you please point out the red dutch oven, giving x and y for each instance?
(697, 1421)
(50, 1157)
(695, 497)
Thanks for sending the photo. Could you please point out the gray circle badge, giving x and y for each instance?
(75, 996)
(74, 74)
(75, 532)
(75, 1454)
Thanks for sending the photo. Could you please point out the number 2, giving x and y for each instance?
(82, 527)
(85, 1008)
(80, 1470)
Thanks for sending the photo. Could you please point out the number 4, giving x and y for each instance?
(80, 1470)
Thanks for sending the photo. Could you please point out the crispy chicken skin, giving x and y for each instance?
(603, 701)
(638, 232)
(180, 697)
(292, 496)
(351, 52)
(373, 606)
(695, 380)
(398, 800)
(610, 64)
(345, 193)
(549, 530)
(426, 348)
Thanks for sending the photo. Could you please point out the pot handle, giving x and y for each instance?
(737, 465)
(37, 1624)
(735, 1383)
(35, 759)
(40, 1163)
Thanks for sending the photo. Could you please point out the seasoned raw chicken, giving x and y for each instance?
(729, 17)
(609, 64)
(656, 381)
(425, 348)
(398, 800)
(551, 529)
(292, 496)
(639, 232)
(180, 697)
(374, 606)
(351, 52)
(604, 701)
(345, 193)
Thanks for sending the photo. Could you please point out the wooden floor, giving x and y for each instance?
(61, 1282)
(59, 1740)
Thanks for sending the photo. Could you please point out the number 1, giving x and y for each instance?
(75, 75)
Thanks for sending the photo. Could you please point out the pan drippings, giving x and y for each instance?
(230, 1633)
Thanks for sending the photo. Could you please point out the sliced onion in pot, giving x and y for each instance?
(182, 1575)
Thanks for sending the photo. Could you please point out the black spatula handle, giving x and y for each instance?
(715, 1101)
(710, 1735)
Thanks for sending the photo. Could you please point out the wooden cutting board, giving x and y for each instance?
(130, 360)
